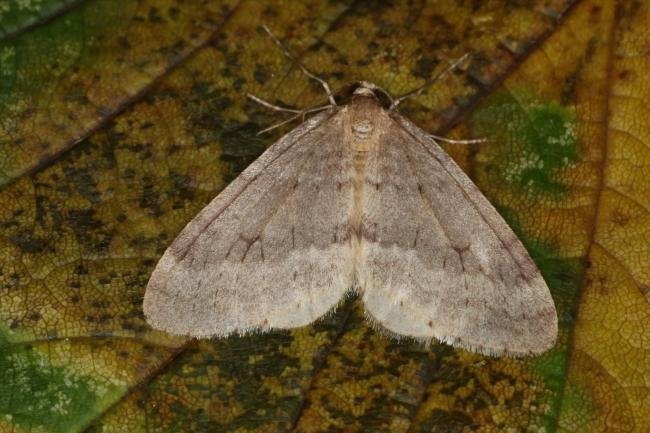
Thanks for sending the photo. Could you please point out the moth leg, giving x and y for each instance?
(272, 106)
(435, 137)
(297, 113)
(422, 88)
(304, 69)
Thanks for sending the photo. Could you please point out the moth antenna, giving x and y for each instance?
(304, 69)
(418, 91)
(452, 141)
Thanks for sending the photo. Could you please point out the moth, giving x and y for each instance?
(356, 198)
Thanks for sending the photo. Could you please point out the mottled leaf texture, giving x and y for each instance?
(119, 124)
(357, 198)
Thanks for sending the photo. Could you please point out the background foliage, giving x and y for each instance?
(118, 122)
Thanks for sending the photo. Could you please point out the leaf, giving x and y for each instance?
(65, 79)
(92, 197)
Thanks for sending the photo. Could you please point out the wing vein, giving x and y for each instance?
(408, 154)
(296, 140)
(289, 193)
(467, 196)
(425, 199)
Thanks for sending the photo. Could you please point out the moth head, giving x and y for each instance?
(364, 89)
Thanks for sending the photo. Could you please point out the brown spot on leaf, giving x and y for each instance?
(619, 218)
(644, 289)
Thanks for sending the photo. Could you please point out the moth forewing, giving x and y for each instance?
(447, 262)
(271, 251)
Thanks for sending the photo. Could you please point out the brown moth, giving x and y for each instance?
(355, 198)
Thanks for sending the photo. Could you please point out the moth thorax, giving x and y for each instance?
(364, 123)
(362, 128)
(363, 134)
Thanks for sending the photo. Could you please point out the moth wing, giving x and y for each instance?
(271, 250)
(439, 261)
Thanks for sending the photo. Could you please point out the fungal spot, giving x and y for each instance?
(620, 218)
(544, 139)
(430, 324)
